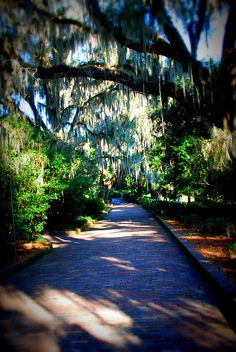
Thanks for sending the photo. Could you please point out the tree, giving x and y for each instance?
(50, 45)
(80, 67)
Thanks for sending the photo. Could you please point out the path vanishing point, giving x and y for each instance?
(123, 285)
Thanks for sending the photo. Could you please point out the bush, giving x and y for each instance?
(210, 218)
(113, 193)
(47, 178)
(94, 206)
(81, 221)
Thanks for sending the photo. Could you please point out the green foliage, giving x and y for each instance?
(114, 193)
(210, 217)
(31, 198)
(45, 179)
(82, 221)
(81, 193)
(185, 164)
(191, 167)
(232, 246)
(41, 239)
(131, 188)
(180, 166)
(94, 206)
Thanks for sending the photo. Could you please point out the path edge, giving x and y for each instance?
(12, 269)
(226, 290)
(7, 272)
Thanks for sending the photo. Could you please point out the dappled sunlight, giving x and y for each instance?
(100, 318)
(127, 206)
(58, 241)
(62, 239)
(129, 223)
(105, 234)
(162, 270)
(129, 231)
(162, 309)
(114, 229)
(116, 210)
(202, 319)
(113, 317)
(134, 224)
(17, 301)
(50, 316)
(120, 263)
(116, 260)
(32, 323)
(121, 286)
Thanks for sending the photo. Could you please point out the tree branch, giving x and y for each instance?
(80, 108)
(175, 50)
(195, 27)
(31, 6)
(158, 47)
(175, 39)
(151, 86)
(100, 72)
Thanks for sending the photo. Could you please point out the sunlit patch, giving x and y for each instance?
(123, 231)
(58, 241)
(120, 263)
(116, 210)
(162, 270)
(59, 245)
(126, 267)
(114, 293)
(116, 260)
(206, 321)
(134, 302)
(33, 328)
(162, 309)
(17, 301)
(62, 239)
(100, 318)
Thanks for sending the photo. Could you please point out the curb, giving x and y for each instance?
(77, 230)
(5, 273)
(14, 268)
(226, 290)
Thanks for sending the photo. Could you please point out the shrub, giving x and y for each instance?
(210, 218)
(47, 178)
(114, 193)
(94, 206)
(81, 221)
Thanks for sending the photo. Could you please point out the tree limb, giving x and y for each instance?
(195, 27)
(158, 46)
(100, 72)
(175, 49)
(81, 108)
(28, 4)
(38, 120)
(175, 39)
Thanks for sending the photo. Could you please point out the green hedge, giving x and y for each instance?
(211, 218)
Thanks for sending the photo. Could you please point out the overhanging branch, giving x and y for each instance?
(100, 72)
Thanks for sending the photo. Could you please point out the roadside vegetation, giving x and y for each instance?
(100, 99)
(45, 183)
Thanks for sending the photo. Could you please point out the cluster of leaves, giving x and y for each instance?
(182, 163)
(44, 179)
(210, 217)
(180, 166)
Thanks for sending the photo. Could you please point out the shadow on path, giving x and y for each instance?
(123, 285)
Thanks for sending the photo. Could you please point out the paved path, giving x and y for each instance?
(124, 285)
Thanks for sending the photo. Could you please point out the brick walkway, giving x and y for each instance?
(124, 285)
